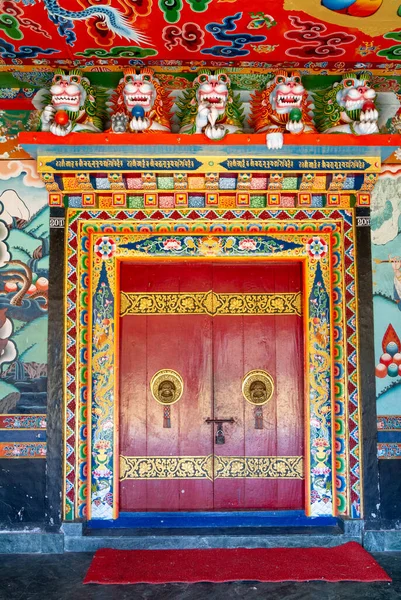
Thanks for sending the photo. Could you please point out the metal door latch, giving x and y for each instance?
(208, 420)
(220, 439)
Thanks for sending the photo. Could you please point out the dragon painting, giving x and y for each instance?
(112, 17)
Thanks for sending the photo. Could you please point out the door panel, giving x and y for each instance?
(212, 354)
(274, 344)
(149, 344)
(260, 352)
(289, 397)
(227, 369)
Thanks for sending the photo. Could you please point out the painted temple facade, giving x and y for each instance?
(200, 274)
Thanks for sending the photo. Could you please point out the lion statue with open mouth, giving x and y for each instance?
(348, 106)
(71, 104)
(282, 107)
(140, 103)
(210, 106)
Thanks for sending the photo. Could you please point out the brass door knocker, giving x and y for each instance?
(257, 389)
(166, 387)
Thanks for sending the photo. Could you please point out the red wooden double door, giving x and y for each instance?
(199, 320)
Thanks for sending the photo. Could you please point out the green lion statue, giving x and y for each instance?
(210, 106)
(70, 105)
(347, 107)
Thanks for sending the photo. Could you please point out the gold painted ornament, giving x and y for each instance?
(166, 387)
(257, 387)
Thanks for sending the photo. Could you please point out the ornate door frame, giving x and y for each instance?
(235, 314)
(322, 240)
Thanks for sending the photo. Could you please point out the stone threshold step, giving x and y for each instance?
(20, 542)
(30, 542)
(138, 532)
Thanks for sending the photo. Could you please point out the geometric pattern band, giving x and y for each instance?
(210, 303)
(211, 467)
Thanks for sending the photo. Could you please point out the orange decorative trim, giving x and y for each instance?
(274, 199)
(119, 199)
(333, 199)
(150, 199)
(55, 200)
(212, 199)
(243, 199)
(363, 199)
(88, 200)
(181, 199)
(304, 200)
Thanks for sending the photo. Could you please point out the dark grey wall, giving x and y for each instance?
(367, 395)
(390, 497)
(22, 491)
(55, 417)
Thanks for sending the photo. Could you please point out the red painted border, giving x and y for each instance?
(177, 139)
(14, 450)
(16, 104)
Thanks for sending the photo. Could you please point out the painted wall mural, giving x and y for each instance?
(289, 32)
(386, 256)
(24, 267)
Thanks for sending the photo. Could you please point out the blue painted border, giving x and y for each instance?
(389, 436)
(25, 435)
(144, 520)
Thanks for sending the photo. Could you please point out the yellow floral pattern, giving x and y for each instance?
(211, 467)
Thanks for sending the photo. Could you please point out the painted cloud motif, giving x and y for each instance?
(13, 208)
(8, 351)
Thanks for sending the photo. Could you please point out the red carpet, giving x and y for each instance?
(349, 562)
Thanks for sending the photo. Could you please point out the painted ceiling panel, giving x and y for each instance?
(341, 33)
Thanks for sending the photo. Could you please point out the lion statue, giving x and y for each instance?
(348, 106)
(210, 106)
(71, 104)
(140, 103)
(282, 106)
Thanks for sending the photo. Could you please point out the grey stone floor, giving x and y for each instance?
(59, 577)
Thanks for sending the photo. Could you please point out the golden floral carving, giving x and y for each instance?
(209, 467)
(255, 467)
(166, 467)
(132, 303)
